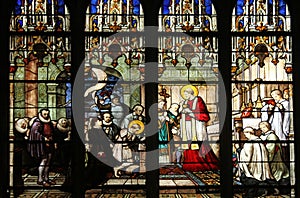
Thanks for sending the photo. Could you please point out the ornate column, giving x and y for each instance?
(32, 12)
(119, 17)
(273, 8)
(250, 102)
(52, 104)
(44, 17)
(246, 18)
(160, 24)
(100, 18)
(31, 89)
(192, 15)
(180, 11)
(87, 20)
(127, 14)
(52, 9)
(11, 134)
(243, 105)
(266, 14)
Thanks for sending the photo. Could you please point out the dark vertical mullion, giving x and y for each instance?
(77, 13)
(295, 19)
(5, 13)
(224, 12)
(151, 78)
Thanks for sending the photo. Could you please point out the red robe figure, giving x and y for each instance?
(194, 116)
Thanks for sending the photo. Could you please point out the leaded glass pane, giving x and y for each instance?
(40, 98)
(267, 58)
(114, 98)
(189, 129)
(261, 16)
(114, 16)
(125, 54)
(189, 120)
(40, 16)
(188, 58)
(187, 16)
(262, 100)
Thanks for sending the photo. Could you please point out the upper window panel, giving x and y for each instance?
(40, 16)
(188, 59)
(267, 58)
(187, 16)
(261, 16)
(114, 16)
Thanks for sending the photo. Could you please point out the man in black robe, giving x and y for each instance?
(41, 145)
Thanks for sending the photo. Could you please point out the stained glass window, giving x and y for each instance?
(261, 16)
(187, 16)
(40, 95)
(114, 111)
(262, 99)
(188, 102)
(194, 149)
(114, 16)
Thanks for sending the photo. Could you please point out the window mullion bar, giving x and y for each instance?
(151, 90)
(295, 7)
(78, 48)
(224, 27)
